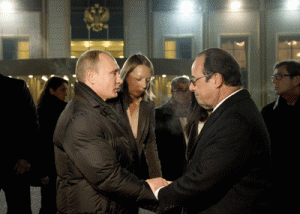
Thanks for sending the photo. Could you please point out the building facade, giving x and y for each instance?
(257, 32)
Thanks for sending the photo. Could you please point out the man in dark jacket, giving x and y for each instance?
(282, 119)
(18, 136)
(229, 164)
(170, 122)
(95, 161)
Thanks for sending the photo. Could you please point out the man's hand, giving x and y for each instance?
(45, 180)
(156, 183)
(22, 166)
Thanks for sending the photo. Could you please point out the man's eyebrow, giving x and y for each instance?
(116, 70)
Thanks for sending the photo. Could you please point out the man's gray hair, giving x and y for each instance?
(180, 79)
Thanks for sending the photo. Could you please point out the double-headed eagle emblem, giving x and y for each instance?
(96, 17)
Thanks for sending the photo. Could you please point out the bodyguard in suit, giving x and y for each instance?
(229, 164)
(170, 122)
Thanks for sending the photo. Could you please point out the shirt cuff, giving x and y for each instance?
(156, 192)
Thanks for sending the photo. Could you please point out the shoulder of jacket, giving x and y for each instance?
(268, 107)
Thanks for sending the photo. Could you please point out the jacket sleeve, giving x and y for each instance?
(151, 152)
(213, 170)
(97, 160)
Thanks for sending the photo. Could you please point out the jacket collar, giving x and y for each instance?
(85, 92)
(82, 91)
(232, 100)
(280, 101)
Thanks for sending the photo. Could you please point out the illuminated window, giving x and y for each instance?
(178, 48)
(170, 49)
(116, 48)
(23, 49)
(15, 48)
(288, 47)
(238, 47)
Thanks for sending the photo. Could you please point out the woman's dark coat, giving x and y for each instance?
(145, 142)
(95, 160)
(49, 111)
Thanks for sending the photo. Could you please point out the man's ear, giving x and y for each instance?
(296, 80)
(90, 74)
(52, 92)
(217, 80)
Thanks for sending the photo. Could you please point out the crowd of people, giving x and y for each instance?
(109, 150)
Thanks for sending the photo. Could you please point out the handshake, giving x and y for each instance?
(156, 184)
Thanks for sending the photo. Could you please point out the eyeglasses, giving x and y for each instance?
(194, 80)
(280, 76)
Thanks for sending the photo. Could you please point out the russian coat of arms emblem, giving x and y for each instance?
(96, 17)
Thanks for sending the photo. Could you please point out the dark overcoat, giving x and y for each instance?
(228, 166)
(95, 159)
(19, 124)
(49, 111)
(171, 143)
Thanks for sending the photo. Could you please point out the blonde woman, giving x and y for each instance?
(136, 106)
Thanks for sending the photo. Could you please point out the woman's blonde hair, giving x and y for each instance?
(130, 64)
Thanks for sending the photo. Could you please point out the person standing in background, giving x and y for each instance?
(282, 117)
(18, 138)
(170, 122)
(50, 105)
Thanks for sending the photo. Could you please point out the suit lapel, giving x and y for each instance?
(142, 121)
(121, 107)
(215, 115)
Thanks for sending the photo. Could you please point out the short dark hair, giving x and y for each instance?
(222, 62)
(292, 67)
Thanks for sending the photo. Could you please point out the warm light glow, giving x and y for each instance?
(292, 43)
(292, 4)
(241, 44)
(30, 76)
(6, 7)
(164, 75)
(66, 77)
(235, 5)
(86, 44)
(298, 54)
(44, 78)
(106, 44)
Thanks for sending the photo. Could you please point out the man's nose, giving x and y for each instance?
(119, 80)
(192, 87)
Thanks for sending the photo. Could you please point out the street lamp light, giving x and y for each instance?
(186, 7)
(292, 4)
(6, 7)
(235, 5)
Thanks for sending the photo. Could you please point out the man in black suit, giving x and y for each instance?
(282, 117)
(170, 122)
(18, 136)
(229, 164)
